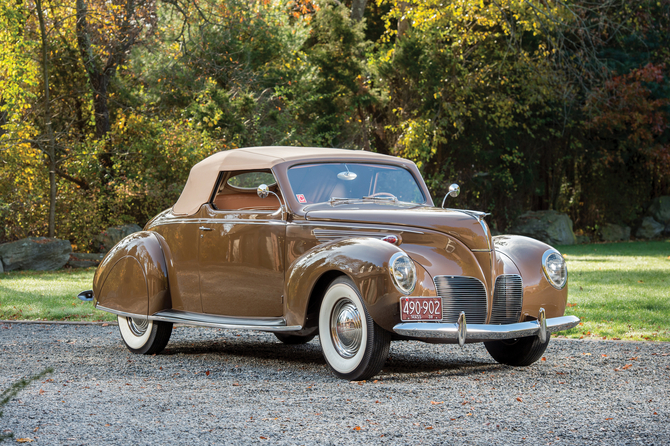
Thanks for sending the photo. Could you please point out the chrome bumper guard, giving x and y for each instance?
(461, 332)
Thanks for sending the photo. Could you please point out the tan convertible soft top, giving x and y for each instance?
(204, 174)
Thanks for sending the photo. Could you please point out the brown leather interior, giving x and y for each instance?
(245, 201)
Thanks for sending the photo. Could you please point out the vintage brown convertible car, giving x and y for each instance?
(340, 243)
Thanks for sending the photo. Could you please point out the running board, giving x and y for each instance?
(272, 324)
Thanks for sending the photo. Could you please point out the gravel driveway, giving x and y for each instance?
(225, 387)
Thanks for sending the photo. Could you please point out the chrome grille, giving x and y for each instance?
(461, 293)
(507, 299)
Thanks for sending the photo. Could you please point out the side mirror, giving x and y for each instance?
(263, 190)
(454, 191)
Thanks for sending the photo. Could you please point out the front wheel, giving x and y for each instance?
(354, 346)
(143, 336)
(517, 352)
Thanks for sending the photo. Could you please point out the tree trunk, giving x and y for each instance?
(51, 150)
(403, 23)
(358, 10)
(98, 77)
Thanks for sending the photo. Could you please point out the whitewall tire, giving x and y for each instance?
(144, 336)
(354, 346)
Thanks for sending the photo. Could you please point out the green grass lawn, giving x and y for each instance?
(49, 295)
(619, 290)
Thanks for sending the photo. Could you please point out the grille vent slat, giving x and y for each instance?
(328, 235)
(460, 293)
(507, 299)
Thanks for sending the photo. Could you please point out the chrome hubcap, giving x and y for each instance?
(346, 328)
(138, 326)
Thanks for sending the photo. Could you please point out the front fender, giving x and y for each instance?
(526, 255)
(132, 278)
(366, 262)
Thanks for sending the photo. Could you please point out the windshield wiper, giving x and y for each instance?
(392, 198)
(336, 200)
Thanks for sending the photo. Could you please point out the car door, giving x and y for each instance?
(241, 255)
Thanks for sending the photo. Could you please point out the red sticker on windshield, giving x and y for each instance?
(301, 198)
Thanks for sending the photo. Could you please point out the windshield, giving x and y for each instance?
(318, 183)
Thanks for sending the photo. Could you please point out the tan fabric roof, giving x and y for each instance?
(203, 175)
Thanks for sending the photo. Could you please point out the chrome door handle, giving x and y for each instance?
(202, 228)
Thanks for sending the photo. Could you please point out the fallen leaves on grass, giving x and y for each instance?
(24, 440)
(357, 428)
(519, 399)
(436, 402)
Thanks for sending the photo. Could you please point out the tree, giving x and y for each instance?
(106, 32)
(51, 148)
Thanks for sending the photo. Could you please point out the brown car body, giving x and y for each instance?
(224, 257)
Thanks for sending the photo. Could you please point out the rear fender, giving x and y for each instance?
(366, 262)
(133, 278)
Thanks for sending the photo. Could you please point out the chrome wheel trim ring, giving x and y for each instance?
(138, 326)
(346, 328)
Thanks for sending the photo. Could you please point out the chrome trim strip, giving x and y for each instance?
(479, 215)
(227, 320)
(327, 235)
(120, 313)
(212, 221)
(485, 227)
(213, 321)
(399, 229)
(483, 332)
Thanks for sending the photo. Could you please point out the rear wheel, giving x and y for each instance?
(517, 352)
(143, 336)
(293, 339)
(354, 346)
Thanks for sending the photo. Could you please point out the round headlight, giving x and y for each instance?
(555, 269)
(403, 272)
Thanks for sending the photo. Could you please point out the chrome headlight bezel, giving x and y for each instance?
(558, 278)
(403, 272)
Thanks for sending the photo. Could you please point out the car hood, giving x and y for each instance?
(463, 225)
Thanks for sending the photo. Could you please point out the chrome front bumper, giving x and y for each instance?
(462, 332)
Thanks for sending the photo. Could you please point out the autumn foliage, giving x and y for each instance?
(528, 105)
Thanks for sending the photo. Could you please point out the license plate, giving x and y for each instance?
(420, 308)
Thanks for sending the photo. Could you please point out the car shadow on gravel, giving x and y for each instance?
(398, 367)
(300, 354)
(410, 367)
